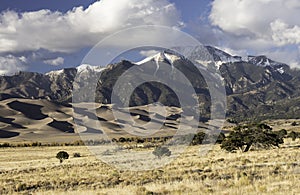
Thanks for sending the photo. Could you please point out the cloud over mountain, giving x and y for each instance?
(66, 32)
(260, 25)
(53, 31)
(10, 64)
(55, 62)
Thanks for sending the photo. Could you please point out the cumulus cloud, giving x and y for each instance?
(55, 62)
(289, 55)
(284, 34)
(10, 64)
(66, 32)
(55, 32)
(253, 18)
(242, 53)
(257, 25)
(148, 53)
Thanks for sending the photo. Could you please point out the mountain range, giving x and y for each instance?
(257, 87)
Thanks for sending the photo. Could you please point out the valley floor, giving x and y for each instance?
(35, 170)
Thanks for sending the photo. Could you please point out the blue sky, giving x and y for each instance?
(33, 5)
(53, 34)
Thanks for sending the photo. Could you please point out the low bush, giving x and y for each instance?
(62, 155)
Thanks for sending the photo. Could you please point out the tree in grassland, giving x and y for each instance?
(282, 133)
(294, 135)
(243, 137)
(161, 151)
(62, 155)
(294, 123)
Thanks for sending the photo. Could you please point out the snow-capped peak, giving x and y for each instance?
(54, 73)
(87, 67)
(164, 56)
(266, 62)
(262, 61)
(160, 57)
(84, 68)
(220, 56)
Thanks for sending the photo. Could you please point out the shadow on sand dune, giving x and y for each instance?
(31, 111)
(92, 130)
(8, 134)
(62, 126)
(9, 121)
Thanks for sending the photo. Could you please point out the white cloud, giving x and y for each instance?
(10, 64)
(283, 34)
(55, 62)
(253, 18)
(67, 32)
(290, 56)
(148, 53)
(294, 64)
(242, 53)
(260, 26)
(57, 33)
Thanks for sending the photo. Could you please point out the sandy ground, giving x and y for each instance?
(24, 120)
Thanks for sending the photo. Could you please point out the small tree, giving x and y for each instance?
(161, 151)
(281, 133)
(294, 123)
(221, 138)
(293, 135)
(243, 137)
(62, 155)
(198, 138)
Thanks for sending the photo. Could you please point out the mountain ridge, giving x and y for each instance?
(257, 88)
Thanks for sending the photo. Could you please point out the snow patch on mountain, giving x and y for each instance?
(280, 70)
(160, 57)
(263, 61)
(86, 68)
(54, 73)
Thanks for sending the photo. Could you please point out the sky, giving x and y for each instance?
(47, 35)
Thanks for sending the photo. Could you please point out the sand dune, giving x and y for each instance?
(41, 120)
(31, 111)
(8, 134)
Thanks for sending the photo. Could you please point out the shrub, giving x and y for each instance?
(36, 144)
(198, 138)
(281, 133)
(5, 145)
(122, 139)
(62, 155)
(230, 120)
(161, 151)
(243, 137)
(221, 138)
(294, 123)
(293, 135)
(76, 155)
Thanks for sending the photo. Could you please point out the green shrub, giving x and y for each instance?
(36, 144)
(294, 135)
(243, 137)
(281, 133)
(161, 151)
(294, 123)
(198, 138)
(62, 155)
(76, 155)
(5, 145)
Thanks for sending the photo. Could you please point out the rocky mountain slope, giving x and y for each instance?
(257, 87)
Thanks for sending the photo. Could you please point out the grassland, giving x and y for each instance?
(35, 170)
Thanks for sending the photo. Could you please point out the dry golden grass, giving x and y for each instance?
(35, 170)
